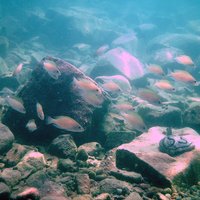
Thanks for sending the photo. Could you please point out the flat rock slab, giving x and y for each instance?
(142, 155)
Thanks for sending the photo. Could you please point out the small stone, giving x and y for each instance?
(10, 176)
(161, 196)
(83, 197)
(63, 146)
(81, 155)
(15, 154)
(67, 165)
(123, 175)
(29, 193)
(83, 184)
(2, 165)
(103, 196)
(92, 149)
(35, 159)
(168, 196)
(4, 191)
(167, 190)
(112, 186)
(133, 196)
(54, 198)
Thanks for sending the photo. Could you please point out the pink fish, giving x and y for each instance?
(51, 68)
(184, 60)
(134, 121)
(39, 110)
(15, 104)
(149, 95)
(183, 76)
(86, 84)
(155, 69)
(18, 69)
(164, 85)
(65, 123)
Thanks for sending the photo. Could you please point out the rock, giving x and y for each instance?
(4, 67)
(54, 198)
(35, 159)
(67, 165)
(83, 197)
(4, 191)
(42, 182)
(81, 155)
(144, 157)
(63, 146)
(4, 45)
(83, 183)
(15, 154)
(103, 196)
(113, 186)
(58, 97)
(130, 67)
(6, 138)
(159, 116)
(92, 148)
(29, 193)
(10, 176)
(7, 80)
(161, 196)
(116, 138)
(123, 175)
(192, 115)
(133, 196)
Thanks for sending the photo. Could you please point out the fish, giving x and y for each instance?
(51, 69)
(149, 95)
(81, 46)
(39, 110)
(164, 85)
(111, 87)
(65, 123)
(155, 69)
(15, 104)
(18, 69)
(31, 125)
(92, 98)
(122, 81)
(101, 50)
(183, 76)
(184, 60)
(125, 38)
(86, 84)
(124, 107)
(134, 121)
(194, 99)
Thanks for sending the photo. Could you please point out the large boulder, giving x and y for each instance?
(58, 98)
(143, 155)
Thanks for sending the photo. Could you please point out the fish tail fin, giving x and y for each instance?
(48, 120)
